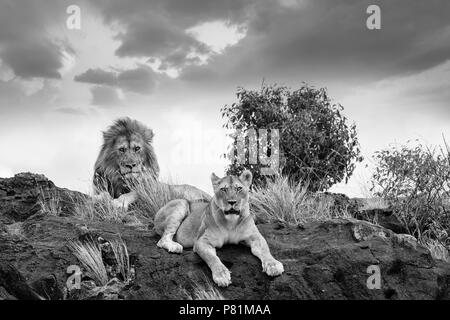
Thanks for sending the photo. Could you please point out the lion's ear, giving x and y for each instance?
(148, 135)
(214, 179)
(246, 178)
(106, 136)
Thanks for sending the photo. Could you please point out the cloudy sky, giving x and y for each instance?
(173, 64)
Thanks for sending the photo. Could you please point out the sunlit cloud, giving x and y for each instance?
(218, 35)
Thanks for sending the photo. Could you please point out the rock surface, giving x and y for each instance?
(19, 197)
(322, 260)
(368, 209)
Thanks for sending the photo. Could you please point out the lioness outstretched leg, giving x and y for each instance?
(259, 248)
(167, 221)
(220, 273)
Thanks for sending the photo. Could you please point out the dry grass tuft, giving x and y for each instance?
(98, 207)
(152, 195)
(50, 202)
(286, 202)
(120, 251)
(208, 291)
(90, 256)
(437, 250)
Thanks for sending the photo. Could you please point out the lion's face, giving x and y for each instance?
(231, 192)
(130, 155)
(127, 152)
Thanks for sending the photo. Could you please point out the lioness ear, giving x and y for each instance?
(214, 179)
(246, 178)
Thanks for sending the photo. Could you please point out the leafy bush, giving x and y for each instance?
(416, 179)
(316, 143)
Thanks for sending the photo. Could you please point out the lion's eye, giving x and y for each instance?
(136, 149)
(223, 189)
(122, 150)
(239, 189)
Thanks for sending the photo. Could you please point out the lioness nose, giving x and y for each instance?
(130, 166)
(232, 202)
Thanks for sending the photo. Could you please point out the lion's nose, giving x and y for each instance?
(232, 202)
(130, 166)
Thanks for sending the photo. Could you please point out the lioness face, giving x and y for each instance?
(231, 192)
(130, 155)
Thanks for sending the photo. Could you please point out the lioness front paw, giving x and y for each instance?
(273, 267)
(221, 276)
(172, 246)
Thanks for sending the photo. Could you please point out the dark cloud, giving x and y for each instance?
(193, 11)
(333, 34)
(97, 76)
(33, 59)
(154, 36)
(300, 40)
(158, 28)
(199, 74)
(105, 96)
(140, 80)
(286, 41)
(178, 59)
(25, 45)
(328, 40)
(182, 14)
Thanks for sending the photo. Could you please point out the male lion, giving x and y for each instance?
(126, 154)
(207, 226)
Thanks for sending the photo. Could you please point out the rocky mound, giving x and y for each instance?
(323, 260)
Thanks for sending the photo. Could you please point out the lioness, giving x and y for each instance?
(207, 226)
(127, 153)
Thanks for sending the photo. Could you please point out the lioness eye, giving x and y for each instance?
(136, 149)
(122, 150)
(239, 189)
(223, 189)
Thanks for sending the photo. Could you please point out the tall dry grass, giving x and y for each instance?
(89, 253)
(152, 195)
(97, 207)
(50, 202)
(437, 249)
(90, 256)
(122, 258)
(205, 291)
(282, 200)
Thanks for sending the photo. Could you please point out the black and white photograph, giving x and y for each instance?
(243, 151)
